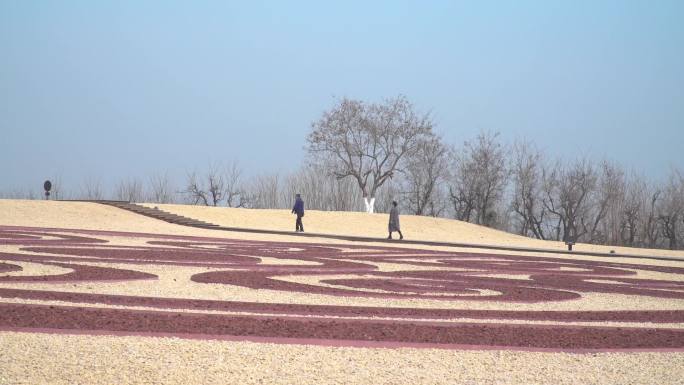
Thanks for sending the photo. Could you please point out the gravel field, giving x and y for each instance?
(90, 294)
(375, 225)
(149, 360)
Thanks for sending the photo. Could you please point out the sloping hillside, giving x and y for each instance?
(93, 216)
(375, 225)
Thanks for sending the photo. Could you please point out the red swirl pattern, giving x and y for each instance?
(348, 271)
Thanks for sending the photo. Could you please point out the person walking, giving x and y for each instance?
(299, 210)
(394, 221)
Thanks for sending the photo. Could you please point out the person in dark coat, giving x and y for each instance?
(299, 210)
(394, 221)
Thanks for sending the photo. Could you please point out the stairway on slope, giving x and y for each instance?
(156, 213)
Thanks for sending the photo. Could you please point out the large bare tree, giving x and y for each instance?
(367, 141)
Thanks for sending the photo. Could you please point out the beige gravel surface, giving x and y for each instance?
(93, 216)
(150, 360)
(375, 225)
(34, 358)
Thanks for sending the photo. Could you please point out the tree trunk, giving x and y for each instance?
(370, 204)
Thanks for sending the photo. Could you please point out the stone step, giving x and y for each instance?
(159, 214)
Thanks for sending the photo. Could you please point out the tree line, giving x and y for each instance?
(361, 156)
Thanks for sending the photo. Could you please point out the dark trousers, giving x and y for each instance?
(298, 225)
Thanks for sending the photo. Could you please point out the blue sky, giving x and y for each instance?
(128, 88)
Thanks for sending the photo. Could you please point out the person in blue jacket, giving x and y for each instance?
(299, 210)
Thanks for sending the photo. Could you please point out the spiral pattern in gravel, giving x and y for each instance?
(109, 262)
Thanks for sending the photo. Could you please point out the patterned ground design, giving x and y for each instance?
(38, 266)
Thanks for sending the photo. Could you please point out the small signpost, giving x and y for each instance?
(47, 186)
(569, 242)
(571, 236)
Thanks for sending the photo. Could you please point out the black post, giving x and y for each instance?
(47, 186)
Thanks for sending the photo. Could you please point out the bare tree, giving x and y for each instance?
(424, 171)
(266, 192)
(566, 196)
(671, 209)
(650, 218)
(635, 199)
(91, 188)
(161, 190)
(194, 191)
(462, 192)
(207, 189)
(130, 190)
(215, 186)
(234, 193)
(366, 142)
(607, 201)
(322, 191)
(526, 204)
(480, 177)
(19, 193)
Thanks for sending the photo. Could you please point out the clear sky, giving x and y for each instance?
(128, 88)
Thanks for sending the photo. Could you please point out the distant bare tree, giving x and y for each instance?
(526, 171)
(635, 198)
(366, 142)
(480, 177)
(207, 189)
(18, 193)
(322, 191)
(266, 192)
(194, 191)
(130, 190)
(566, 196)
(425, 170)
(671, 209)
(462, 192)
(91, 188)
(650, 218)
(234, 193)
(161, 190)
(607, 201)
(215, 186)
